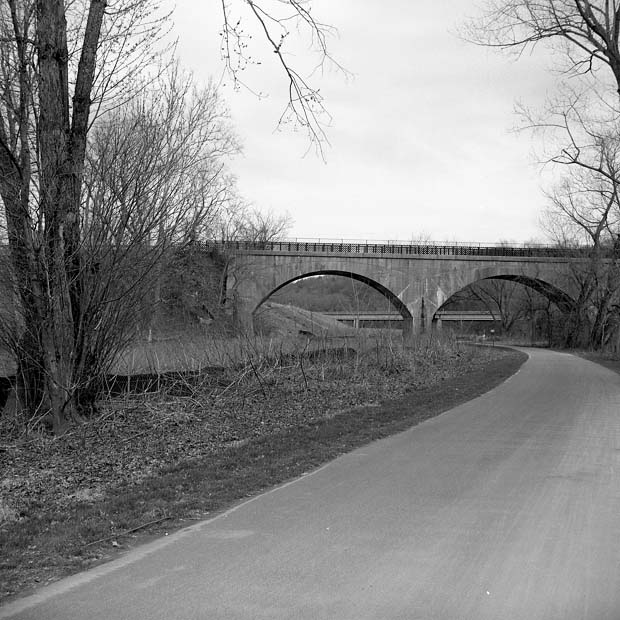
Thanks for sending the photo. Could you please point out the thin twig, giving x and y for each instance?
(301, 364)
(133, 529)
(262, 387)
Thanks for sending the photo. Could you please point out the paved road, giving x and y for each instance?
(506, 508)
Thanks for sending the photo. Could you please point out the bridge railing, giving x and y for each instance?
(398, 249)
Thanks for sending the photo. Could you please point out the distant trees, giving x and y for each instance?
(513, 305)
(332, 294)
(503, 299)
(261, 227)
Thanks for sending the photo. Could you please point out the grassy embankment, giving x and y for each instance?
(196, 443)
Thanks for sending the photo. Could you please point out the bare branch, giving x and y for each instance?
(305, 108)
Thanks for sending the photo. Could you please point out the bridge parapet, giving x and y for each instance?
(403, 249)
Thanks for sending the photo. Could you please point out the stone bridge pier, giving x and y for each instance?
(416, 284)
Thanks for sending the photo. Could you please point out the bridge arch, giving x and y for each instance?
(563, 300)
(532, 275)
(544, 281)
(396, 302)
(559, 297)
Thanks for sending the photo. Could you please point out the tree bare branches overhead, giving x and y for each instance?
(275, 21)
(132, 49)
(587, 31)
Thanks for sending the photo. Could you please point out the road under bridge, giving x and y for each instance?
(391, 319)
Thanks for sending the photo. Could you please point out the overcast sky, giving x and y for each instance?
(420, 140)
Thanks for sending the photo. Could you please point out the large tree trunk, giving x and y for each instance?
(57, 329)
(48, 272)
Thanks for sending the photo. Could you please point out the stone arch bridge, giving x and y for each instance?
(417, 279)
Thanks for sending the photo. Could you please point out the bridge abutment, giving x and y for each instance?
(244, 315)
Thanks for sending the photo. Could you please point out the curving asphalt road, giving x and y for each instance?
(505, 508)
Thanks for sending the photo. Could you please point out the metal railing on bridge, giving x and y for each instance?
(389, 248)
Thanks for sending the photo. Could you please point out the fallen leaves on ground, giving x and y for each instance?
(134, 437)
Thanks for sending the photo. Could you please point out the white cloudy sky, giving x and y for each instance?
(421, 140)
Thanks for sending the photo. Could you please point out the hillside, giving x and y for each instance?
(274, 319)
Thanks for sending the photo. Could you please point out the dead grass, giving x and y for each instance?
(200, 351)
(282, 330)
(155, 461)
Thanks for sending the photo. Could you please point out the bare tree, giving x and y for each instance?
(585, 208)
(511, 303)
(581, 129)
(502, 299)
(50, 89)
(585, 31)
(155, 182)
(63, 65)
(261, 227)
